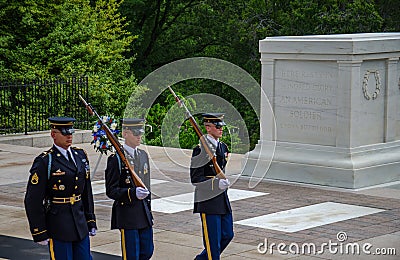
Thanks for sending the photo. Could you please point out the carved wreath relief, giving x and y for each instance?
(366, 92)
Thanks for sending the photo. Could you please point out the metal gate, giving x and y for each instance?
(26, 106)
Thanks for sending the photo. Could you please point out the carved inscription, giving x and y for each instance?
(312, 87)
(304, 114)
(307, 127)
(305, 102)
(315, 101)
(295, 73)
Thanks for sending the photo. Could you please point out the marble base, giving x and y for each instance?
(323, 165)
(332, 105)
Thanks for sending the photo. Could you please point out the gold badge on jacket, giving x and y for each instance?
(35, 179)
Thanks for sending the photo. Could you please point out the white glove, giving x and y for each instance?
(224, 184)
(141, 193)
(44, 242)
(92, 232)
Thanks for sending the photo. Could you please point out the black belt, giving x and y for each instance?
(71, 200)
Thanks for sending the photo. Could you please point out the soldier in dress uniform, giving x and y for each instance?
(211, 197)
(131, 211)
(59, 200)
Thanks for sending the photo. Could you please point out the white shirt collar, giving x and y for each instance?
(63, 151)
(212, 140)
(130, 150)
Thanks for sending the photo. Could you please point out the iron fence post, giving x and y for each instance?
(25, 110)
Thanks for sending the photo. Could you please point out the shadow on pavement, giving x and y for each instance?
(17, 248)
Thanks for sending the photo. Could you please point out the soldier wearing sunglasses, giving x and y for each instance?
(131, 212)
(59, 200)
(211, 198)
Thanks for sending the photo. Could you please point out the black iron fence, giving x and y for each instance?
(25, 107)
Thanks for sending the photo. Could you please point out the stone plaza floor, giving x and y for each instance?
(274, 220)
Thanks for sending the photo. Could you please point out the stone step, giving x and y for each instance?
(43, 138)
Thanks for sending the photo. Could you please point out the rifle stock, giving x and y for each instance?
(114, 142)
(203, 141)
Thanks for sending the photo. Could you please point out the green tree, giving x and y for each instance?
(310, 17)
(175, 29)
(62, 38)
(171, 127)
(389, 10)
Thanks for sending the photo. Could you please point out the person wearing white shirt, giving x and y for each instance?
(211, 197)
(60, 177)
(131, 211)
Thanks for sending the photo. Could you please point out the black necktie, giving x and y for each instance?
(136, 158)
(218, 150)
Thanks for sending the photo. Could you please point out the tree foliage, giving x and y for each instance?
(61, 38)
(305, 17)
(172, 128)
(389, 10)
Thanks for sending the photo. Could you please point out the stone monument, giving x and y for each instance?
(336, 110)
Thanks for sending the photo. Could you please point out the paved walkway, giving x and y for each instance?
(298, 216)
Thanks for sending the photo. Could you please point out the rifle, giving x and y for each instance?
(202, 137)
(114, 141)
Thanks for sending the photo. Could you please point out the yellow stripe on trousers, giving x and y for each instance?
(123, 244)
(208, 248)
(51, 249)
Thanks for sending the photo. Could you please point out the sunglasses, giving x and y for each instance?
(136, 132)
(216, 126)
(65, 131)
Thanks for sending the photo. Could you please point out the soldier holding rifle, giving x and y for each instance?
(131, 212)
(211, 197)
(211, 200)
(59, 200)
(131, 209)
